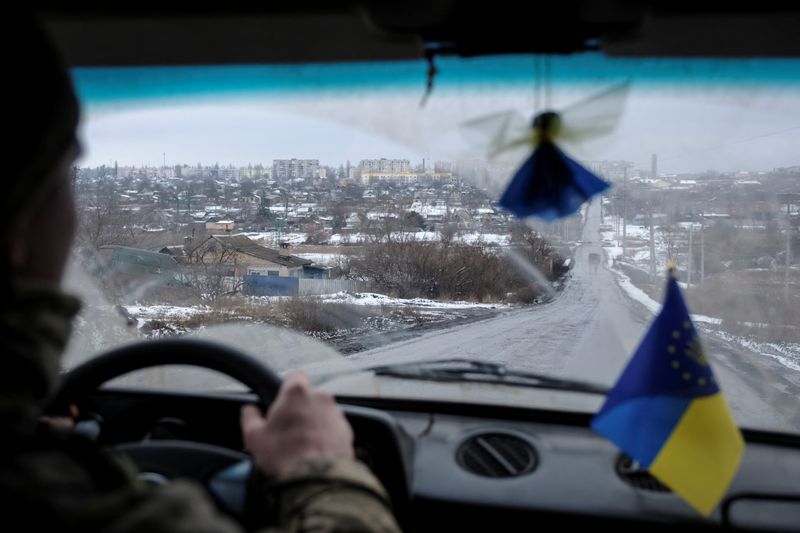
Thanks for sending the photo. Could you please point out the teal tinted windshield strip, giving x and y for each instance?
(98, 85)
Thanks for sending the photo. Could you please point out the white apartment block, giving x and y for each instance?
(385, 166)
(295, 168)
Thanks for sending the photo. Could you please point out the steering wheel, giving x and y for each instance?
(225, 471)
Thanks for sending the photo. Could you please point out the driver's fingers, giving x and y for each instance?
(294, 390)
(66, 423)
(251, 419)
(294, 378)
(63, 423)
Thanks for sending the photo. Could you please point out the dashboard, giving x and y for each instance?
(450, 466)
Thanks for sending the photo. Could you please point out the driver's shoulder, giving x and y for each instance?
(47, 464)
(55, 479)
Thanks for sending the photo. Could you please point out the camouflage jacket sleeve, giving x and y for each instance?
(327, 496)
(87, 490)
(320, 496)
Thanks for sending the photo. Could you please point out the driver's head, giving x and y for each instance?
(37, 214)
(37, 217)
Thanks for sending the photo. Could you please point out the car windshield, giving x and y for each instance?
(358, 204)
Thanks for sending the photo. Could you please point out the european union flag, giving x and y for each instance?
(667, 412)
(550, 185)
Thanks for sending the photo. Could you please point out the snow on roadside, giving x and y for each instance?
(636, 293)
(369, 298)
(706, 319)
(787, 354)
(164, 311)
(614, 252)
(173, 312)
(653, 306)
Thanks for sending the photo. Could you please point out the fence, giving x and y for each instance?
(255, 285)
(330, 286)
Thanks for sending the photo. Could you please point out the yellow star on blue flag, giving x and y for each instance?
(667, 412)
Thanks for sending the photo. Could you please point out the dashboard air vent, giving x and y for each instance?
(633, 474)
(497, 455)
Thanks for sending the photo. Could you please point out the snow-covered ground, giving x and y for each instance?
(370, 298)
(168, 312)
(322, 259)
(638, 256)
(787, 354)
(373, 319)
(174, 312)
(267, 238)
(484, 238)
(425, 236)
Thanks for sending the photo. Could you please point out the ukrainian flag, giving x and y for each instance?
(667, 412)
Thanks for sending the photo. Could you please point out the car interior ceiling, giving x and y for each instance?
(177, 33)
(317, 31)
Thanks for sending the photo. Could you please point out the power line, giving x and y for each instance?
(754, 138)
(733, 143)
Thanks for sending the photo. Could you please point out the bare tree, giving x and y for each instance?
(672, 239)
(211, 270)
(101, 221)
(409, 268)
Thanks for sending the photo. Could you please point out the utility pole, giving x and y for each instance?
(601, 208)
(702, 248)
(654, 166)
(652, 248)
(788, 261)
(789, 198)
(624, 207)
(654, 172)
(689, 267)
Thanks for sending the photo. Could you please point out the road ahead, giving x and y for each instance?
(588, 331)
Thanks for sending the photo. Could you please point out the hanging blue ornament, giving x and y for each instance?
(549, 184)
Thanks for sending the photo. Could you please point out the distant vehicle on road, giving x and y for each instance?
(594, 260)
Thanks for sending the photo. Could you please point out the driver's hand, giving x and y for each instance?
(302, 423)
(62, 423)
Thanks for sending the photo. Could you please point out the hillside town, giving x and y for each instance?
(429, 232)
(295, 219)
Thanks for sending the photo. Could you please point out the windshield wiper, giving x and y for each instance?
(471, 371)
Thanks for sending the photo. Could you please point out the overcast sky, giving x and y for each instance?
(691, 129)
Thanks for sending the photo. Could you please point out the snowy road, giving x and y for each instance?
(588, 332)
